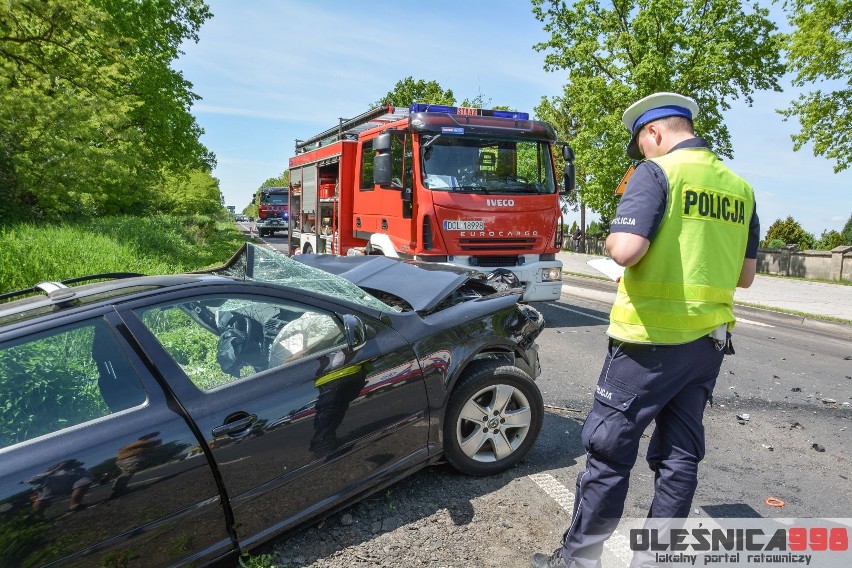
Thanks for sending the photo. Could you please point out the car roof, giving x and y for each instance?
(48, 297)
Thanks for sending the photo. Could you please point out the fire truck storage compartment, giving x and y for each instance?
(327, 185)
(307, 207)
(327, 218)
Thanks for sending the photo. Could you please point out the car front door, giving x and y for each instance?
(295, 417)
(96, 466)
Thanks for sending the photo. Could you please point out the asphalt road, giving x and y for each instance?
(784, 377)
(793, 383)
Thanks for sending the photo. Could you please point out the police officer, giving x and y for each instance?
(686, 232)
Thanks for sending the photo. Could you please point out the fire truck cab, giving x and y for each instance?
(273, 210)
(463, 186)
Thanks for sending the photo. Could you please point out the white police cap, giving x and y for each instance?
(654, 107)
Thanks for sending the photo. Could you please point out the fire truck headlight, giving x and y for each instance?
(550, 274)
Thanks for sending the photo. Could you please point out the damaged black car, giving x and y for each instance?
(169, 420)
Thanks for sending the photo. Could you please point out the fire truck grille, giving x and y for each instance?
(494, 261)
(483, 245)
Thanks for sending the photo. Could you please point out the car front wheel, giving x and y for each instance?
(493, 419)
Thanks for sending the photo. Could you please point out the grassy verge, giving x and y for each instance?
(584, 275)
(795, 313)
(800, 279)
(32, 253)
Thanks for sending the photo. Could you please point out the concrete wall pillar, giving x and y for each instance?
(837, 261)
(784, 261)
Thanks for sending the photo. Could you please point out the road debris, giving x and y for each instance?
(818, 447)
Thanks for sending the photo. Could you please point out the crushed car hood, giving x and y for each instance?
(423, 286)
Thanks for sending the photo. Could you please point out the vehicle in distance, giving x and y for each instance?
(273, 210)
(241, 219)
(173, 420)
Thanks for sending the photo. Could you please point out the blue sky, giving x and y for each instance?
(271, 71)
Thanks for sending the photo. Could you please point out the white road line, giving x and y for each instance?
(752, 322)
(739, 320)
(618, 546)
(561, 307)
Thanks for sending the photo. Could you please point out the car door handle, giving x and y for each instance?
(235, 427)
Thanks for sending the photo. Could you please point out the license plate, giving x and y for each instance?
(464, 225)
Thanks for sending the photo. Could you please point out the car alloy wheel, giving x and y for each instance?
(493, 419)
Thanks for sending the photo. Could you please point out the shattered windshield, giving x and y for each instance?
(265, 265)
(456, 163)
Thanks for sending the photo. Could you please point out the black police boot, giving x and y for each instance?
(555, 560)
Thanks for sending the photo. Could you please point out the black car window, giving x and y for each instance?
(217, 339)
(57, 379)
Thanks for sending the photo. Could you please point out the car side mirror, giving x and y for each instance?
(356, 332)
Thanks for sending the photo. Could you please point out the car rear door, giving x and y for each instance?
(295, 419)
(96, 466)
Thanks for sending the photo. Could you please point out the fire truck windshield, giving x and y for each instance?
(486, 165)
(273, 199)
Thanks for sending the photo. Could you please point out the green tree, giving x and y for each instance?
(192, 192)
(791, 232)
(847, 232)
(281, 180)
(409, 90)
(92, 117)
(597, 229)
(828, 240)
(820, 50)
(617, 52)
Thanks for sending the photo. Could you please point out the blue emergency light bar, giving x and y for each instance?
(468, 111)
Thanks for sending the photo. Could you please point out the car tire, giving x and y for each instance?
(493, 418)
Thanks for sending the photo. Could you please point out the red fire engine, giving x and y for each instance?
(273, 210)
(464, 186)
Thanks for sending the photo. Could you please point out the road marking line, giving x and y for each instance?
(752, 322)
(618, 545)
(739, 320)
(581, 313)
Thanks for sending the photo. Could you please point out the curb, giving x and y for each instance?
(812, 323)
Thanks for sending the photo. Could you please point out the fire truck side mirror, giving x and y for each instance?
(382, 170)
(382, 143)
(569, 181)
(382, 164)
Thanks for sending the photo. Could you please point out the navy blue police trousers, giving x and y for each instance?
(667, 384)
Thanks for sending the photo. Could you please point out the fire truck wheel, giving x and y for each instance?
(493, 419)
(308, 249)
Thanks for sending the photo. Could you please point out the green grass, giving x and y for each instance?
(35, 252)
(802, 279)
(248, 560)
(794, 312)
(584, 275)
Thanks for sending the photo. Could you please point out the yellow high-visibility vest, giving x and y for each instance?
(683, 288)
